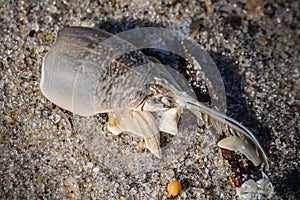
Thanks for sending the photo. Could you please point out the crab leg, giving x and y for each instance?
(181, 99)
(140, 123)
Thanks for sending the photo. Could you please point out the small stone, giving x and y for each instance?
(26, 5)
(96, 170)
(174, 187)
(48, 19)
(52, 9)
(89, 10)
(48, 37)
(39, 179)
(201, 190)
(55, 118)
(90, 165)
(200, 160)
(141, 145)
(34, 26)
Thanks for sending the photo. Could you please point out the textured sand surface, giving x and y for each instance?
(255, 46)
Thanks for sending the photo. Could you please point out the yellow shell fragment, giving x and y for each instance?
(174, 187)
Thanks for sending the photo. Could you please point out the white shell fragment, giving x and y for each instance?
(234, 143)
(169, 120)
(256, 190)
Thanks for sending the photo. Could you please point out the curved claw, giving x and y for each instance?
(181, 99)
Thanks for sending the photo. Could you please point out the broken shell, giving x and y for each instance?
(169, 120)
(261, 189)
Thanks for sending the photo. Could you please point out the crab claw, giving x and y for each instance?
(140, 123)
(234, 143)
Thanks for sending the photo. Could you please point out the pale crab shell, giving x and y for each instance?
(80, 69)
(83, 74)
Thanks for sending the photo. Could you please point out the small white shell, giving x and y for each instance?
(261, 189)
